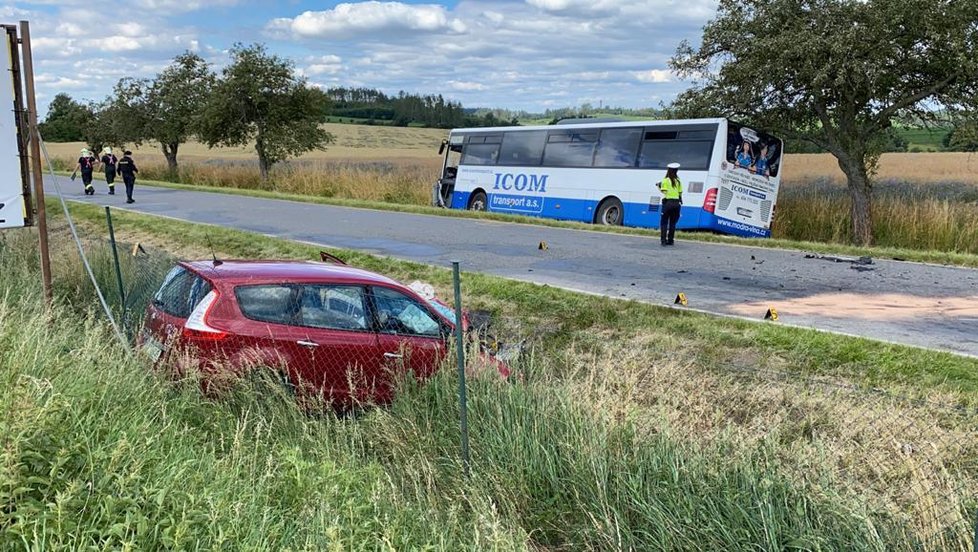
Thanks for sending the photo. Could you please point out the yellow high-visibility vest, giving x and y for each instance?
(670, 190)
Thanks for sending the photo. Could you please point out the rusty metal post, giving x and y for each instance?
(42, 221)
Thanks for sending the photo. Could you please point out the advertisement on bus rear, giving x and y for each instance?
(749, 180)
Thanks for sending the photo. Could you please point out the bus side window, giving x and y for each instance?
(569, 149)
(692, 155)
(617, 147)
(480, 154)
(523, 148)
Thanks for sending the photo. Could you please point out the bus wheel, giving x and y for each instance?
(610, 212)
(478, 202)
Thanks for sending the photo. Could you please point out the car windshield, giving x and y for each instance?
(443, 309)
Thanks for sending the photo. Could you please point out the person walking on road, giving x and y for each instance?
(86, 165)
(672, 201)
(128, 170)
(109, 162)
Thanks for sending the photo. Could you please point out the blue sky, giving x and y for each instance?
(515, 54)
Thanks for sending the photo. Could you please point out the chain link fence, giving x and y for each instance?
(909, 464)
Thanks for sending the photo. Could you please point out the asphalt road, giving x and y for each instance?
(911, 303)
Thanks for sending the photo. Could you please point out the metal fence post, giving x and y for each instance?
(115, 257)
(460, 347)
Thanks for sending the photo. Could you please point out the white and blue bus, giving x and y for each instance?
(608, 172)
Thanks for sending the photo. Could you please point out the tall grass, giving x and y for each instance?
(99, 451)
(938, 216)
(399, 181)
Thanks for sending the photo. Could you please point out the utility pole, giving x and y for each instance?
(35, 140)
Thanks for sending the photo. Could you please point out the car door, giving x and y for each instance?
(266, 333)
(340, 344)
(411, 338)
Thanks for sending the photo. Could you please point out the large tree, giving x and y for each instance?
(66, 120)
(167, 109)
(963, 136)
(835, 73)
(260, 98)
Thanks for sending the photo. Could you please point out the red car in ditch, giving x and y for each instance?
(341, 333)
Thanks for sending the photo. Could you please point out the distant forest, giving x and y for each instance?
(371, 106)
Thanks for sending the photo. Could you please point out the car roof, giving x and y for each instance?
(258, 272)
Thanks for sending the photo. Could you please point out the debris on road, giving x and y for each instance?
(853, 260)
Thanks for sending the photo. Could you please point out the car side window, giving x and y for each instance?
(181, 291)
(400, 314)
(275, 303)
(333, 307)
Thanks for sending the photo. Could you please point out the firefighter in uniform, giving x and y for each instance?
(128, 170)
(86, 165)
(672, 202)
(109, 161)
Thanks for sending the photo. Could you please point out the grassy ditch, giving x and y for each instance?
(632, 427)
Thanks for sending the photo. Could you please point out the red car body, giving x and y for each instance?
(341, 333)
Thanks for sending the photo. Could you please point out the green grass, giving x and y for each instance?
(824, 211)
(101, 452)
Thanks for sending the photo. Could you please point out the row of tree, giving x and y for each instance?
(406, 109)
(257, 98)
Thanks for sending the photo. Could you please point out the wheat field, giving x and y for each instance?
(907, 167)
(350, 142)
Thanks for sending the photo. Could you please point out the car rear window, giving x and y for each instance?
(276, 303)
(181, 291)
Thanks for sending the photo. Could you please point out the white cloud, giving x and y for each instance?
(323, 65)
(58, 82)
(569, 5)
(467, 86)
(171, 6)
(346, 20)
(654, 76)
(644, 10)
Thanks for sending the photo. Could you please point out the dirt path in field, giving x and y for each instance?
(910, 303)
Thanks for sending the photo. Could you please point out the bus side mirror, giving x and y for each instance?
(441, 149)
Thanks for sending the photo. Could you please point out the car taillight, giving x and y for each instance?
(196, 327)
(710, 203)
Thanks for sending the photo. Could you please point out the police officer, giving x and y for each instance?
(128, 170)
(86, 164)
(109, 161)
(672, 201)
